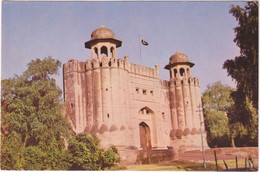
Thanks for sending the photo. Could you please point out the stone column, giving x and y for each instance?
(193, 103)
(187, 103)
(114, 80)
(89, 95)
(97, 96)
(121, 91)
(179, 103)
(173, 110)
(106, 92)
(198, 101)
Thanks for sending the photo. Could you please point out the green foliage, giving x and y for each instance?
(85, 154)
(243, 116)
(11, 151)
(244, 68)
(31, 114)
(243, 135)
(34, 158)
(217, 102)
(217, 97)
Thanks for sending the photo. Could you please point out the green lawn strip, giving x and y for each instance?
(175, 166)
(188, 166)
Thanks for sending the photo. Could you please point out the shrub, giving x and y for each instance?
(85, 154)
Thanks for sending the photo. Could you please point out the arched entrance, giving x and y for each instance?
(145, 136)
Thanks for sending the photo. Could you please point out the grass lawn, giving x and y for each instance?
(174, 166)
(188, 166)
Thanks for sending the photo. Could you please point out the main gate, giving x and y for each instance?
(145, 136)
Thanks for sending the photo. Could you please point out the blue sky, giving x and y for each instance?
(201, 30)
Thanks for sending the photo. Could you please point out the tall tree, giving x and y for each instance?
(33, 128)
(216, 103)
(244, 68)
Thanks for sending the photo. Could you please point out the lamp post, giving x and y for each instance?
(202, 145)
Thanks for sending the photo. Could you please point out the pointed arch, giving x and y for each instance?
(147, 116)
(145, 136)
(104, 50)
(182, 72)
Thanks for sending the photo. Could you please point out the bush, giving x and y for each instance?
(85, 154)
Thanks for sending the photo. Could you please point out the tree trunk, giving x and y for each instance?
(233, 141)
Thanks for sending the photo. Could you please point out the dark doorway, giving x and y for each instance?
(145, 136)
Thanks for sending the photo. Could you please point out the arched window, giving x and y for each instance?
(112, 51)
(182, 72)
(175, 73)
(104, 50)
(96, 52)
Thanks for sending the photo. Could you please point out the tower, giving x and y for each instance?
(184, 96)
(102, 79)
(103, 42)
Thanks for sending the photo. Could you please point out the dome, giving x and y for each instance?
(102, 33)
(179, 57)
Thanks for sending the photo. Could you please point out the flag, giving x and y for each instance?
(143, 42)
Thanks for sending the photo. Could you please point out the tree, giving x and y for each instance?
(85, 154)
(33, 128)
(243, 116)
(216, 103)
(244, 68)
(243, 135)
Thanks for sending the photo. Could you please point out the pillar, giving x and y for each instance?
(97, 95)
(193, 103)
(106, 92)
(179, 104)
(173, 105)
(187, 103)
(89, 95)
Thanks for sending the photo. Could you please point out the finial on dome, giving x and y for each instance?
(102, 24)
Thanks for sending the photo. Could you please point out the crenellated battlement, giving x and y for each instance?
(164, 84)
(193, 81)
(73, 66)
(107, 62)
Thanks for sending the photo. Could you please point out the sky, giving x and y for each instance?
(201, 30)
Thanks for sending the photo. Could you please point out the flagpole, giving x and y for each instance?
(140, 50)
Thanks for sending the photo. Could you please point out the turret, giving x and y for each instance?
(183, 102)
(103, 41)
(179, 65)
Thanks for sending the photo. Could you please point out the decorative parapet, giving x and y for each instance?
(74, 66)
(77, 66)
(185, 81)
(164, 84)
(145, 71)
